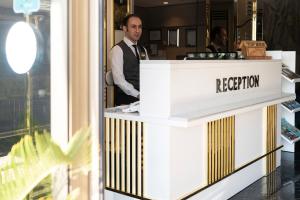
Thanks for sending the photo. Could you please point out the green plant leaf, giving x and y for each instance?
(34, 158)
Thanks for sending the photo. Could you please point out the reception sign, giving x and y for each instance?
(191, 85)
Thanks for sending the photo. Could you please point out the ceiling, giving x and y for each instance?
(154, 3)
(45, 4)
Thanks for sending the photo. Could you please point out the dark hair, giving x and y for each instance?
(127, 17)
(215, 31)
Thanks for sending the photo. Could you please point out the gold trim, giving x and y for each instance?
(209, 153)
(129, 6)
(271, 183)
(220, 148)
(271, 137)
(233, 144)
(107, 152)
(123, 155)
(207, 22)
(133, 158)
(117, 154)
(229, 144)
(226, 145)
(139, 160)
(144, 132)
(214, 151)
(112, 25)
(112, 151)
(128, 156)
(254, 19)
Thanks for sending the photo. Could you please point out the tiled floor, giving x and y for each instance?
(283, 184)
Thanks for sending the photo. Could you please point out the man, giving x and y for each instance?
(125, 59)
(218, 38)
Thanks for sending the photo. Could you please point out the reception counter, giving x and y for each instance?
(206, 130)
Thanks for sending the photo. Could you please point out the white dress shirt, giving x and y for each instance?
(116, 63)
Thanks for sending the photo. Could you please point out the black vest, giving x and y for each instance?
(131, 70)
(131, 66)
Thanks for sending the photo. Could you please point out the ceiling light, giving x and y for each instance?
(165, 3)
(21, 47)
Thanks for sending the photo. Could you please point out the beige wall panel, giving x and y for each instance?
(79, 79)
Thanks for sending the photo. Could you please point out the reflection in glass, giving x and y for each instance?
(21, 47)
(120, 9)
(14, 87)
(173, 37)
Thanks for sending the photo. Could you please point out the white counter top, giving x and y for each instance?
(201, 116)
(203, 61)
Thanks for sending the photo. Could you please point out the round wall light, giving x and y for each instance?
(21, 47)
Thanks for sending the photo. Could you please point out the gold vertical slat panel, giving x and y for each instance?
(271, 183)
(133, 158)
(128, 188)
(123, 155)
(139, 159)
(117, 154)
(209, 177)
(268, 138)
(219, 149)
(215, 150)
(274, 138)
(107, 157)
(229, 143)
(221, 139)
(143, 133)
(271, 137)
(112, 145)
(232, 143)
(225, 147)
(211, 152)
(275, 134)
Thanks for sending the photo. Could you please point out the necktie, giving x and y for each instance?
(136, 53)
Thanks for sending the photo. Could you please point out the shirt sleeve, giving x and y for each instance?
(116, 63)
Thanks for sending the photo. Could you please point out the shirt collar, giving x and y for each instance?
(129, 42)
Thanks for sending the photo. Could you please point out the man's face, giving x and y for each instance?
(133, 30)
(222, 37)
